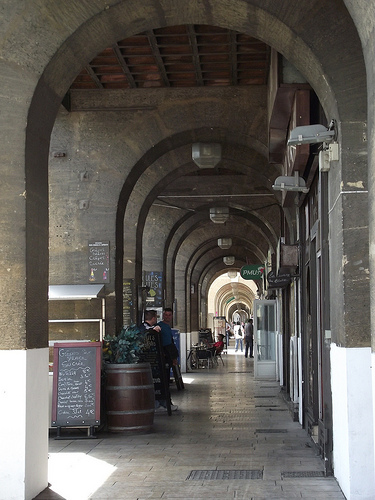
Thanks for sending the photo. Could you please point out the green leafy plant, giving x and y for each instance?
(124, 347)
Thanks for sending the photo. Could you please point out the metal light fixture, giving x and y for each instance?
(224, 243)
(309, 134)
(229, 260)
(289, 183)
(206, 155)
(219, 215)
(232, 274)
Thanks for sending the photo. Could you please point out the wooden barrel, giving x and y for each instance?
(130, 397)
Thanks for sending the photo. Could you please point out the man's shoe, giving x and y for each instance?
(174, 407)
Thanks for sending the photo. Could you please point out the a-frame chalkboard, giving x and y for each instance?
(153, 353)
(76, 385)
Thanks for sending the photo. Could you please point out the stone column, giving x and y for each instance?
(24, 285)
(353, 448)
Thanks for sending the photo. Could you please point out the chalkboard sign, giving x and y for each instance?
(128, 301)
(76, 384)
(153, 353)
(99, 261)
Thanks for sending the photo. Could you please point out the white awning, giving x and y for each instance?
(74, 292)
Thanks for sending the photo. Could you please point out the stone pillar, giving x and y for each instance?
(351, 377)
(23, 422)
(365, 24)
(24, 286)
(352, 416)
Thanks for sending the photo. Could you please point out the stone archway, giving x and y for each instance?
(33, 87)
(254, 18)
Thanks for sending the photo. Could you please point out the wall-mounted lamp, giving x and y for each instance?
(289, 183)
(224, 243)
(229, 260)
(219, 215)
(309, 134)
(206, 155)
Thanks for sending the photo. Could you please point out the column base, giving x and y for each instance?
(353, 422)
(23, 423)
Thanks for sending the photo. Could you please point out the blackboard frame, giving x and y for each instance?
(96, 358)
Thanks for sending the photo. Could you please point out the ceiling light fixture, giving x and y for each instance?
(206, 155)
(229, 260)
(224, 243)
(219, 215)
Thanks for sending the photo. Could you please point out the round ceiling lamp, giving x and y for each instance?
(219, 215)
(229, 260)
(224, 243)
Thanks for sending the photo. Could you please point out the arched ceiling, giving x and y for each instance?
(231, 294)
(190, 56)
(225, 102)
(234, 294)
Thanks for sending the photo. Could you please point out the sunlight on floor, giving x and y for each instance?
(75, 476)
(232, 351)
(186, 379)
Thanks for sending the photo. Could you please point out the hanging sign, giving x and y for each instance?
(153, 280)
(280, 281)
(99, 261)
(252, 272)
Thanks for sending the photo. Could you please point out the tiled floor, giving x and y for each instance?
(226, 421)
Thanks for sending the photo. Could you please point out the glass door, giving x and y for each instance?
(265, 349)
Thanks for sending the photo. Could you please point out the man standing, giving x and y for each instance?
(249, 341)
(150, 321)
(169, 348)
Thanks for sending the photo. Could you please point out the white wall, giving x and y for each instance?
(353, 421)
(23, 423)
(373, 398)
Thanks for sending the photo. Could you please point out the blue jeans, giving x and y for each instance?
(238, 341)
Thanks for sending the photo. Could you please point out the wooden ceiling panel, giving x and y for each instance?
(183, 56)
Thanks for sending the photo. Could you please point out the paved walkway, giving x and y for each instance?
(231, 438)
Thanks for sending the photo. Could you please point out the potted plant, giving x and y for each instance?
(129, 388)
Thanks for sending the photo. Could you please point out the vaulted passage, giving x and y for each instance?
(154, 149)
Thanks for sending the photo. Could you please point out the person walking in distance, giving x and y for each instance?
(249, 340)
(238, 336)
